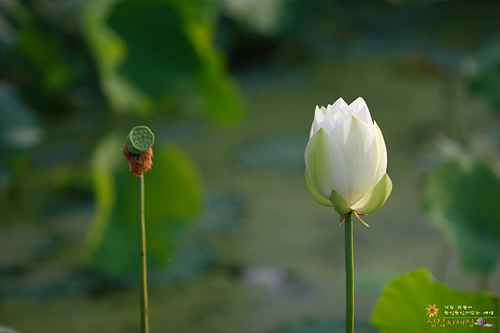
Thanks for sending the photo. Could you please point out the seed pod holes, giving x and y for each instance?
(139, 139)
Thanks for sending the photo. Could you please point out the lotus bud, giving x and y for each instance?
(346, 159)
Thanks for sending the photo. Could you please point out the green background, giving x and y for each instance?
(229, 88)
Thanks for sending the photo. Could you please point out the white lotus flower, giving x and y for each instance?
(346, 159)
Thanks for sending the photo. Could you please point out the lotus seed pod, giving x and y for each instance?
(139, 139)
(137, 150)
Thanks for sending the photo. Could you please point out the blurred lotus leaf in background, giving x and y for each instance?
(265, 17)
(462, 198)
(483, 74)
(174, 198)
(149, 56)
(154, 54)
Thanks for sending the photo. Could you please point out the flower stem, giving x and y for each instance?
(349, 274)
(142, 255)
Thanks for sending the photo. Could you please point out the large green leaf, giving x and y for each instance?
(462, 198)
(151, 52)
(402, 307)
(161, 59)
(109, 51)
(173, 201)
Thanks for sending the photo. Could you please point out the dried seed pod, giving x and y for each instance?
(137, 150)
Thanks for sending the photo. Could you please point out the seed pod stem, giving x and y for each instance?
(142, 255)
(139, 156)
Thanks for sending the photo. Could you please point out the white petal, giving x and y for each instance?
(340, 117)
(320, 121)
(319, 114)
(357, 104)
(325, 165)
(360, 158)
(364, 114)
(339, 133)
(382, 155)
(360, 110)
(328, 116)
(339, 104)
(338, 112)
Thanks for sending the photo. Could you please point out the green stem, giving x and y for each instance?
(349, 274)
(142, 255)
(442, 261)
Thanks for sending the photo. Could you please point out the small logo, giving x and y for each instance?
(432, 310)
(482, 322)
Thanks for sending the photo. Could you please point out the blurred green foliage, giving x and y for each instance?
(483, 74)
(174, 198)
(86, 70)
(152, 52)
(45, 53)
(110, 65)
(461, 196)
(402, 306)
(150, 55)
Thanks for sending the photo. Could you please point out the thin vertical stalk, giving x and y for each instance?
(142, 255)
(349, 274)
(442, 261)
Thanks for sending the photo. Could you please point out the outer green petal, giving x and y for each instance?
(315, 194)
(339, 204)
(374, 199)
(325, 164)
(382, 154)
